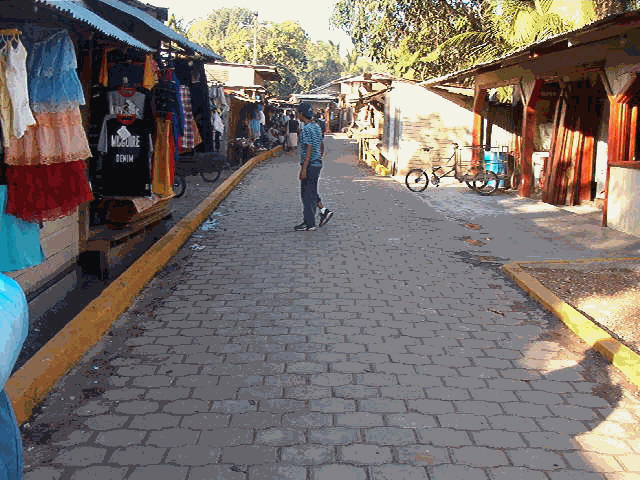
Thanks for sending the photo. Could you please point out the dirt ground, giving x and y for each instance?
(608, 292)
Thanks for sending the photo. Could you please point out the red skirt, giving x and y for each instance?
(39, 193)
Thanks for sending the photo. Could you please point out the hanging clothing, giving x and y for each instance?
(58, 137)
(187, 141)
(123, 102)
(5, 105)
(218, 125)
(103, 75)
(126, 164)
(163, 159)
(131, 74)
(201, 105)
(53, 79)
(197, 137)
(19, 240)
(16, 81)
(47, 192)
(150, 76)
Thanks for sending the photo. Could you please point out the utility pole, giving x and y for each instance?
(255, 38)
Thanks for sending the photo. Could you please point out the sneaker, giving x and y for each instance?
(325, 217)
(303, 227)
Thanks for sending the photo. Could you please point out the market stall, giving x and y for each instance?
(44, 94)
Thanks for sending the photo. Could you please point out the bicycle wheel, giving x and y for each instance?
(179, 185)
(471, 185)
(416, 180)
(212, 175)
(486, 183)
(515, 179)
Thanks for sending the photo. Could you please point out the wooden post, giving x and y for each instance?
(612, 151)
(478, 105)
(528, 135)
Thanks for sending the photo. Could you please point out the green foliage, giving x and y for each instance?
(428, 38)
(302, 63)
(178, 25)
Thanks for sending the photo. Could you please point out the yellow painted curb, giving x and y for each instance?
(30, 384)
(621, 356)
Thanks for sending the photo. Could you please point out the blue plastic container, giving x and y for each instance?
(496, 162)
(14, 326)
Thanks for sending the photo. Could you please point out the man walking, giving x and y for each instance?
(310, 166)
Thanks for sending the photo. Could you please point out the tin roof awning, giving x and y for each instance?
(161, 28)
(77, 10)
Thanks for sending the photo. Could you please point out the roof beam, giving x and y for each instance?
(556, 64)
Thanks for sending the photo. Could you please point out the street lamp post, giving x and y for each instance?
(255, 27)
(255, 38)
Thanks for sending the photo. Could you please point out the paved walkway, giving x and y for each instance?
(384, 346)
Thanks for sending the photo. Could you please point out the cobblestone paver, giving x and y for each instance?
(382, 347)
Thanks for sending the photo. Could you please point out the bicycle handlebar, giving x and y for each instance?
(455, 147)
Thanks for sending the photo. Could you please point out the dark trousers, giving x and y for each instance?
(309, 193)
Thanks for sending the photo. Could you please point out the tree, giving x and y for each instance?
(302, 63)
(427, 38)
(179, 25)
(399, 32)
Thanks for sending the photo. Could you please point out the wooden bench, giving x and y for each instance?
(113, 242)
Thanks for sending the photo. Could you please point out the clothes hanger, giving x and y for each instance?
(125, 90)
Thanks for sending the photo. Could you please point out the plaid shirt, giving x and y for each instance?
(187, 141)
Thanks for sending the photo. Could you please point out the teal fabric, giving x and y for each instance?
(14, 326)
(19, 240)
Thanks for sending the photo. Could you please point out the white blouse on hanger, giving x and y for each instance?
(16, 77)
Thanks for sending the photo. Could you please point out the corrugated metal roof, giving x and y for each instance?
(78, 10)
(160, 27)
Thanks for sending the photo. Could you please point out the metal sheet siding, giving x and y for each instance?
(81, 13)
(161, 28)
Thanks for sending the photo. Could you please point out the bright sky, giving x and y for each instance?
(312, 15)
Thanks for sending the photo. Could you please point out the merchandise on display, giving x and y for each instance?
(45, 152)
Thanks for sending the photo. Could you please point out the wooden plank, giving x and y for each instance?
(588, 166)
(556, 143)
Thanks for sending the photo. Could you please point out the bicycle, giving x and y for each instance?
(417, 179)
(208, 165)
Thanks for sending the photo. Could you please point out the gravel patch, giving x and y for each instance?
(607, 292)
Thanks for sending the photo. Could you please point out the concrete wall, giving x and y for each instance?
(423, 118)
(624, 199)
(435, 119)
